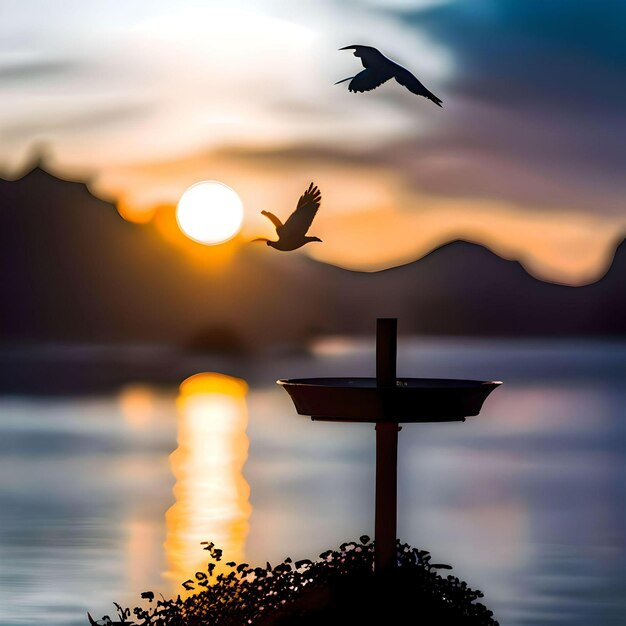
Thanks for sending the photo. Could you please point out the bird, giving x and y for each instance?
(292, 234)
(379, 69)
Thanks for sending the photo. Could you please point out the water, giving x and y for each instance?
(526, 501)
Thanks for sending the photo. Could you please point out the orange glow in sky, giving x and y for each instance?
(371, 219)
(161, 98)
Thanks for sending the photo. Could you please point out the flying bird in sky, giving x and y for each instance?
(292, 234)
(379, 69)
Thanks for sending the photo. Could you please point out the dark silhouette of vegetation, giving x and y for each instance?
(339, 588)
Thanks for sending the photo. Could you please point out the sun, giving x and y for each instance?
(209, 212)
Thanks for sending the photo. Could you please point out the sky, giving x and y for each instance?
(142, 98)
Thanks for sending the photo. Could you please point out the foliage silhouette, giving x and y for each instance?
(339, 588)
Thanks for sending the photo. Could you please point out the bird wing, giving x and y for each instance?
(369, 79)
(408, 80)
(300, 220)
(277, 223)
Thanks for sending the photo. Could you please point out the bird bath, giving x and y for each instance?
(387, 401)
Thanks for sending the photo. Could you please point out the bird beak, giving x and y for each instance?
(348, 48)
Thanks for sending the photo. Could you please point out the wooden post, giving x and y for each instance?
(386, 452)
(386, 349)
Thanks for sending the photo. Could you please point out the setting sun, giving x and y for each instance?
(209, 212)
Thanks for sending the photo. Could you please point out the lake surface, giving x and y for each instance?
(525, 501)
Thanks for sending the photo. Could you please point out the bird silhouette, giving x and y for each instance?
(292, 234)
(379, 69)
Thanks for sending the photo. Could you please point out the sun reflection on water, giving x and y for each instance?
(138, 405)
(211, 493)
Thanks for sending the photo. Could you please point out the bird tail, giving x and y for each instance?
(433, 98)
(344, 80)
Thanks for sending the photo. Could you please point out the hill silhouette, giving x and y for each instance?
(72, 270)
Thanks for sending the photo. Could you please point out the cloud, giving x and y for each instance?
(538, 86)
(215, 76)
(555, 246)
(34, 69)
(144, 98)
(372, 218)
(74, 124)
